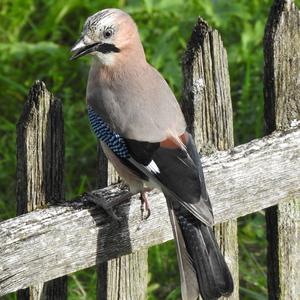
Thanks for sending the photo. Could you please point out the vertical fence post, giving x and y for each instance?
(40, 169)
(125, 277)
(282, 108)
(208, 111)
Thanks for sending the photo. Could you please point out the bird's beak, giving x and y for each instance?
(81, 49)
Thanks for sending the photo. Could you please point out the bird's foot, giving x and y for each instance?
(145, 207)
(123, 185)
(100, 202)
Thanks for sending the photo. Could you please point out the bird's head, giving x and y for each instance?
(109, 35)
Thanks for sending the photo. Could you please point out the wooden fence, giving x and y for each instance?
(52, 238)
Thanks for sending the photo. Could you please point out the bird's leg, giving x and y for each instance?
(100, 201)
(145, 205)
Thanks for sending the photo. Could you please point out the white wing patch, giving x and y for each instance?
(152, 167)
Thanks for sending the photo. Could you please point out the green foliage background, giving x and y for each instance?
(35, 38)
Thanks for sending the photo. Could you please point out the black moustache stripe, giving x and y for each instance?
(107, 48)
(103, 48)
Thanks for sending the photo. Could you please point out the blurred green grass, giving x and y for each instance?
(35, 38)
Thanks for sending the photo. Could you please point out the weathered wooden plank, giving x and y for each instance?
(40, 168)
(64, 239)
(282, 109)
(124, 277)
(207, 104)
(206, 82)
(282, 65)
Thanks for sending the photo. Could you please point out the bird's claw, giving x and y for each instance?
(144, 206)
(147, 215)
(98, 201)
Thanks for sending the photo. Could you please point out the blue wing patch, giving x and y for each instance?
(113, 140)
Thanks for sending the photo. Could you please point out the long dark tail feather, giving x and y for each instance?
(213, 276)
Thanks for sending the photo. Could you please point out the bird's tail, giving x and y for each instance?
(202, 267)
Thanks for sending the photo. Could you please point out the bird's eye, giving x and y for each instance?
(108, 33)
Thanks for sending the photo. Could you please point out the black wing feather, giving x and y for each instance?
(142, 152)
(182, 180)
(180, 174)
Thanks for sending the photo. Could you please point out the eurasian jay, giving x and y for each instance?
(142, 131)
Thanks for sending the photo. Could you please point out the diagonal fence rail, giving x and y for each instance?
(70, 237)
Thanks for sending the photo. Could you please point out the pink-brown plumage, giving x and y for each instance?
(136, 104)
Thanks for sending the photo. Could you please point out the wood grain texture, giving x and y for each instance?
(207, 97)
(40, 169)
(124, 277)
(64, 239)
(206, 83)
(282, 109)
(282, 65)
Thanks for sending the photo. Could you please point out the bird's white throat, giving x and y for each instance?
(106, 59)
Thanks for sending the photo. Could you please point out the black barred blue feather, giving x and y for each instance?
(113, 140)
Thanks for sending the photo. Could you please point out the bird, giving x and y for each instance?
(142, 130)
